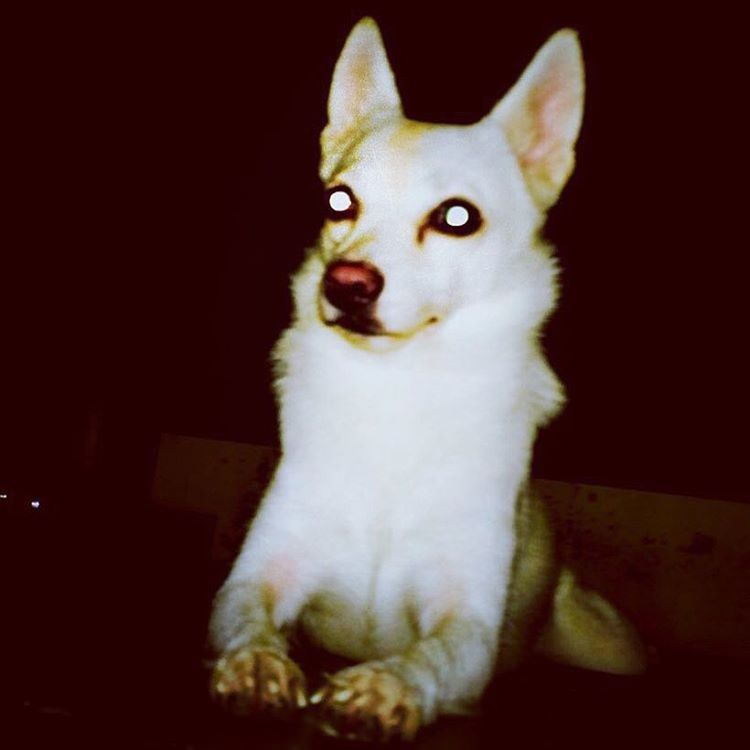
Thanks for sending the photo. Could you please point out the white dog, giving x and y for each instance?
(398, 530)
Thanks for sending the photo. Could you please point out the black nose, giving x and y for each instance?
(352, 286)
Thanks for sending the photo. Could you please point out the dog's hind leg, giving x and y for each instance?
(585, 630)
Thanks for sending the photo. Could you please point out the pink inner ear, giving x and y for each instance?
(551, 106)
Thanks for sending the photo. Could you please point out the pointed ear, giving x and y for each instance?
(363, 86)
(541, 116)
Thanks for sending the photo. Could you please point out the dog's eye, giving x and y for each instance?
(340, 203)
(455, 216)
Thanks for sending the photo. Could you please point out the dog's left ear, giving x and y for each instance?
(363, 90)
(541, 116)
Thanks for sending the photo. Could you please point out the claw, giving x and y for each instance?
(366, 703)
(260, 679)
(221, 688)
(343, 695)
(326, 728)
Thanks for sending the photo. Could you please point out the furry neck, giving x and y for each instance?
(464, 386)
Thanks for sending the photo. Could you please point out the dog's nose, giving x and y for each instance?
(352, 285)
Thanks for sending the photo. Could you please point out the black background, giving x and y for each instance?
(161, 165)
(165, 186)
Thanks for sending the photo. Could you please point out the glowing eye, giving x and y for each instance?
(339, 200)
(455, 216)
(340, 203)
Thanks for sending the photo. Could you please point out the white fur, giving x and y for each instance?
(391, 513)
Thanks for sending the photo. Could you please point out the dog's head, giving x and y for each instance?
(425, 220)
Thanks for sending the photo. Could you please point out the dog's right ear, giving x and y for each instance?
(363, 90)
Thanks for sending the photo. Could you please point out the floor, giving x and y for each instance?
(102, 646)
(687, 705)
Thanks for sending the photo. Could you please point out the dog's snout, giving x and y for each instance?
(351, 286)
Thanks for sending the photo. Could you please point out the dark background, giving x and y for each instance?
(162, 173)
(167, 186)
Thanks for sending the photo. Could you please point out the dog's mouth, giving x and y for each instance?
(363, 324)
(367, 325)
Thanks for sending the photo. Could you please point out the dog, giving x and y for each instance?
(399, 530)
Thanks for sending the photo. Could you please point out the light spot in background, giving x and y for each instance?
(456, 216)
(3, 495)
(36, 504)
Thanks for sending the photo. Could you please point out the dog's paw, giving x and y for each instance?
(253, 679)
(367, 702)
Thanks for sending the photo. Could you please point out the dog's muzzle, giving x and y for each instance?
(353, 287)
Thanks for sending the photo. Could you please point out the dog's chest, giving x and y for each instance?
(363, 607)
(384, 575)
(403, 480)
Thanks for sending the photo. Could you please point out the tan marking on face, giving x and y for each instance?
(405, 139)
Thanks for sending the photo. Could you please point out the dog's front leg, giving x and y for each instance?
(444, 672)
(253, 672)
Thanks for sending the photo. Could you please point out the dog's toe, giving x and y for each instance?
(252, 679)
(367, 702)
